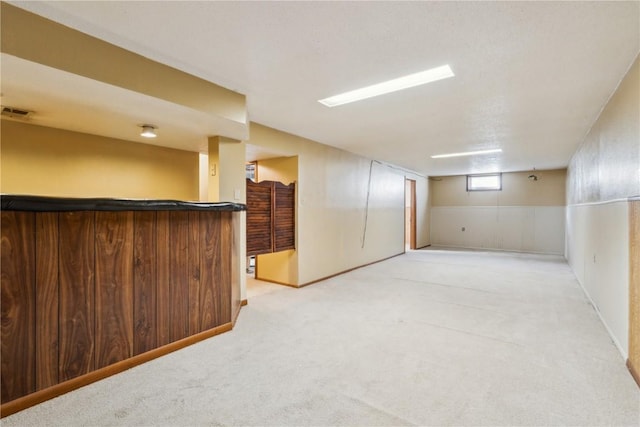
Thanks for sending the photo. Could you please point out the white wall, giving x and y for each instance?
(526, 215)
(332, 206)
(230, 180)
(598, 253)
(515, 228)
(603, 173)
(203, 176)
(336, 230)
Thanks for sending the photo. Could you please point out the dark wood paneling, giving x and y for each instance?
(99, 374)
(113, 287)
(259, 217)
(194, 273)
(223, 291)
(18, 304)
(179, 275)
(77, 312)
(46, 299)
(209, 276)
(145, 334)
(284, 226)
(163, 258)
(84, 291)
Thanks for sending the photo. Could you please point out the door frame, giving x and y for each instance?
(410, 214)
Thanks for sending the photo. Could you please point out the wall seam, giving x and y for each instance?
(613, 337)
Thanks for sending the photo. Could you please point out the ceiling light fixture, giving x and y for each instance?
(389, 86)
(148, 131)
(467, 153)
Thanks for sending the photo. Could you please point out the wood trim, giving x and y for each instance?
(425, 246)
(75, 383)
(328, 277)
(244, 302)
(275, 281)
(634, 372)
(236, 313)
(349, 270)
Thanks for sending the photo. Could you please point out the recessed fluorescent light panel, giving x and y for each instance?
(467, 153)
(389, 86)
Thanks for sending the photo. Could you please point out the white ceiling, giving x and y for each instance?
(67, 101)
(531, 77)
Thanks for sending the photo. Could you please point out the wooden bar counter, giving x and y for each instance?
(91, 287)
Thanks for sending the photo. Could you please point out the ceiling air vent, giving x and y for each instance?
(16, 113)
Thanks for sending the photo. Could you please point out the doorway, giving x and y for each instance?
(410, 214)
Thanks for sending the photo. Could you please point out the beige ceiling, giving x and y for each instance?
(531, 77)
(67, 101)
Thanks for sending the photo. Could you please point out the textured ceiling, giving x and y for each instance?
(531, 77)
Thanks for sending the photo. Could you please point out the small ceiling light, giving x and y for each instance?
(389, 86)
(467, 153)
(148, 131)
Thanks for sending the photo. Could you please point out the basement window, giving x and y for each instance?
(486, 182)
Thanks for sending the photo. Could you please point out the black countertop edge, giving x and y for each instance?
(12, 202)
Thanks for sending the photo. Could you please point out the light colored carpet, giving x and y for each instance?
(432, 337)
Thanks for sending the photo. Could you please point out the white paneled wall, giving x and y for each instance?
(598, 253)
(516, 228)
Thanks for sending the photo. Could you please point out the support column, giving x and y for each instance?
(213, 172)
(226, 178)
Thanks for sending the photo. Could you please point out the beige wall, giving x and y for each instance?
(603, 173)
(45, 161)
(517, 190)
(231, 154)
(282, 169)
(526, 215)
(232, 172)
(332, 191)
(222, 179)
(40, 40)
(606, 166)
(280, 267)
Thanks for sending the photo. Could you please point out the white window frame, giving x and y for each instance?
(471, 187)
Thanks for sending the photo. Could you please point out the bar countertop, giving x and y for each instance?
(11, 202)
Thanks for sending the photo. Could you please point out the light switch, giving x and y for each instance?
(236, 194)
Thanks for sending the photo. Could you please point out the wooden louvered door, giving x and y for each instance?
(270, 217)
(259, 218)
(284, 227)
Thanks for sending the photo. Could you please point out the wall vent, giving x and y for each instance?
(16, 113)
